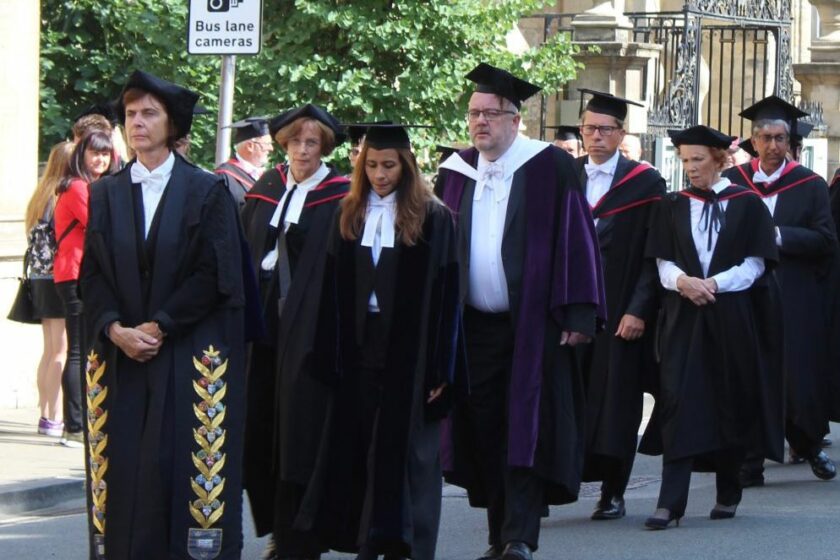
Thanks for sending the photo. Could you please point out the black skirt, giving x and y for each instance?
(45, 298)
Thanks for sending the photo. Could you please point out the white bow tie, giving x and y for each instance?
(153, 180)
(381, 216)
(492, 176)
(592, 170)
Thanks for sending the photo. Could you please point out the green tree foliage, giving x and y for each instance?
(363, 60)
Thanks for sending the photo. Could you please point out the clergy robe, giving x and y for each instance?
(381, 479)
(808, 248)
(236, 179)
(165, 437)
(554, 280)
(616, 371)
(286, 405)
(715, 392)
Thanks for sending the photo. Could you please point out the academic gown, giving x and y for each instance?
(286, 405)
(834, 306)
(554, 280)
(236, 179)
(716, 393)
(808, 249)
(617, 372)
(380, 480)
(165, 437)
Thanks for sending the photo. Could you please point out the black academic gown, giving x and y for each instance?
(380, 478)
(165, 437)
(236, 179)
(616, 371)
(286, 405)
(809, 243)
(715, 392)
(545, 202)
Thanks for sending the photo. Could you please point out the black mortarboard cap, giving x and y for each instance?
(803, 129)
(385, 135)
(179, 101)
(105, 108)
(502, 83)
(608, 104)
(199, 110)
(566, 132)
(774, 108)
(701, 135)
(252, 127)
(311, 111)
(355, 132)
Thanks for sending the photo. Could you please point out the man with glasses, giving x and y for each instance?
(798, 201)
(252, 144)
(620, 363)
(531, 290)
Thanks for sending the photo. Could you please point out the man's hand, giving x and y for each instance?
(696, 289)
(151, 328)
(630, 327)
(135, 343)
(569, 338)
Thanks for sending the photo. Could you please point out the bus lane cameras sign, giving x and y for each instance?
(225, 27)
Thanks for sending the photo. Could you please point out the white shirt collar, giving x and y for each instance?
(607, 167)
(380, 219)
(721, 185)
(164, 169)
(761, 177)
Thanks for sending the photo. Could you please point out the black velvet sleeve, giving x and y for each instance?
(97, 285)
(817, 238)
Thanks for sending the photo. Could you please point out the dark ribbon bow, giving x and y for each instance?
(713, 217)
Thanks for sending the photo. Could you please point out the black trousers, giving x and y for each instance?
(676, 478)
(515, 495)
(71, 377)
(801, 443)
(616, 473)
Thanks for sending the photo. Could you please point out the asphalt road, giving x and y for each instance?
(794, 516)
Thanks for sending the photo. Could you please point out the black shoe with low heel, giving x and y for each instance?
(660, 523)
(492, 553)
(609, 509)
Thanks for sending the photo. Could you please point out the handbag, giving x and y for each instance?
(23, 311)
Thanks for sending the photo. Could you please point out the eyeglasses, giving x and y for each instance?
(767, 138)
(589, 129)
(489, 114)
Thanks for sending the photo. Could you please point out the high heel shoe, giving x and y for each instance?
(659, 523)
(723, 512)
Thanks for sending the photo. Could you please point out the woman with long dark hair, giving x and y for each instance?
(389, 329)
(92, 158)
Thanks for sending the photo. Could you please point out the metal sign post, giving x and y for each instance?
(227, 28)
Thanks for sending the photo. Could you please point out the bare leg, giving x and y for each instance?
(51, 366)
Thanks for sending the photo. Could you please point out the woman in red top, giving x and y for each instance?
(91, 159)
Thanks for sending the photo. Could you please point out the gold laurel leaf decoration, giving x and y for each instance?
(218, 372)
(98, 399)
(214, 493)
(220, 441)
(218, 395)
(100, 447)
(202, 369)
(199, 491)
(217, 420)
(198, 516)
(202, 468)
(214, 470)
(216, 515)
(100, 422)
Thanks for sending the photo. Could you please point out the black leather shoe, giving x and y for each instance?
(492, 553)
(517, 550)
(609, 509)
(822, 466)
(659, 523)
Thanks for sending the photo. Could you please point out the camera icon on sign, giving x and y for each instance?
(222, 5)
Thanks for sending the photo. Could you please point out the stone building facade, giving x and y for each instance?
(699, 61)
